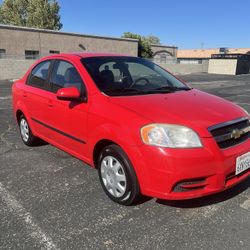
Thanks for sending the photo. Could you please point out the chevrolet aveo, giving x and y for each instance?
(146, 132)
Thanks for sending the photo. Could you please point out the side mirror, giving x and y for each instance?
(68, 94)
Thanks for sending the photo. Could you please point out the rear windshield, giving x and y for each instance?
(123, 75)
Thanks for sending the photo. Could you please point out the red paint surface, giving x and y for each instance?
(119, 119)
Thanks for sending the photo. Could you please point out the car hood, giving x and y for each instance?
(195, 109)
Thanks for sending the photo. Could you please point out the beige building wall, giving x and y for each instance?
(172, 50)
(225, 66)
(183, 69)
(15, 40)
(14, 69)
(164, 54)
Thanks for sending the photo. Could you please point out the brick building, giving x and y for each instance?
(20, 46)
(31, 43)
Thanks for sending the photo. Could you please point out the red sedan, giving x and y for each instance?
(146, 132)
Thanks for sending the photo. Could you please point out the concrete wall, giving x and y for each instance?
(222, 66)
(172, 50)
(15, 40)
(182, 69)
(13, 69)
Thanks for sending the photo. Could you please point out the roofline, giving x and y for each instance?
(198, 49)
(91, 54)
(13, 27)
(215, 48)
(163, 46)
(194, 58)
(84, 55)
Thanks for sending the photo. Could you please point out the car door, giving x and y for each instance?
(68, 119)
(35, 97)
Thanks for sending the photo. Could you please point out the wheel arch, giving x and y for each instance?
(21, 110)
(19, 113)
(98, 148)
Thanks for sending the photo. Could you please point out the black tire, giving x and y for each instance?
(132, 191)
(30, 140)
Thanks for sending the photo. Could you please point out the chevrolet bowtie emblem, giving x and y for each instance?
(236, 133)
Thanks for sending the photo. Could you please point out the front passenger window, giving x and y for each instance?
(65, 75)
(39, 74)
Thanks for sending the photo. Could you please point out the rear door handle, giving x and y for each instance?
(50, 104)
(24, 94)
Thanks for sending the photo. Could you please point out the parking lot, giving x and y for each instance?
(50, 200)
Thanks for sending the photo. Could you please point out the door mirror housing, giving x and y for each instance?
(68, 94)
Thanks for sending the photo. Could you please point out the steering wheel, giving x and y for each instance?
(138, 80)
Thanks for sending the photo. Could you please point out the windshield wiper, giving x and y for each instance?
(172, 88)
(124, 91)
(134, 91)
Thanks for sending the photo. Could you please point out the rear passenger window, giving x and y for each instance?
(65, 75)
(39, 75)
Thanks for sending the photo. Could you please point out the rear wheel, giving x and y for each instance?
(117, 176)
(26, 134)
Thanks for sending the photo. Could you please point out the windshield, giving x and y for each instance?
(121, 75)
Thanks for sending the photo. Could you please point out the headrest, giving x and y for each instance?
(72, 76)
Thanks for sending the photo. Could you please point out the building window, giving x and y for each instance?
(32, 54)
(2, 53)
(54, 52)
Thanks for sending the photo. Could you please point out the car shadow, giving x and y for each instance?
(208, 200)
(39, 143)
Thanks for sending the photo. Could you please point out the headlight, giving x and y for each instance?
(170, 136)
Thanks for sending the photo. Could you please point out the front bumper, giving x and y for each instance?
(178, 174)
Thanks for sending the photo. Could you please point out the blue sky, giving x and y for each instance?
(184, 23)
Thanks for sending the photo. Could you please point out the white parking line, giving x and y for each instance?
(34, 230)
(242, 103)
(5, 97)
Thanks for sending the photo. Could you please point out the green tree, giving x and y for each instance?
(14, 12)
(31, 13)
(153, 39)
(145, 49)
(44, 14)
(144, 44)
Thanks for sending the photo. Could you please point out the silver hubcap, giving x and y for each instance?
(113, 176)
(24, 130)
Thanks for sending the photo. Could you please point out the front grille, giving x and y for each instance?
(231, 133)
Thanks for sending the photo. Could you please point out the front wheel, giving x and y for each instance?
(26, 134)
(117, 176)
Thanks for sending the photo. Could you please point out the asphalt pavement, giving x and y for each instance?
(50, 200)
